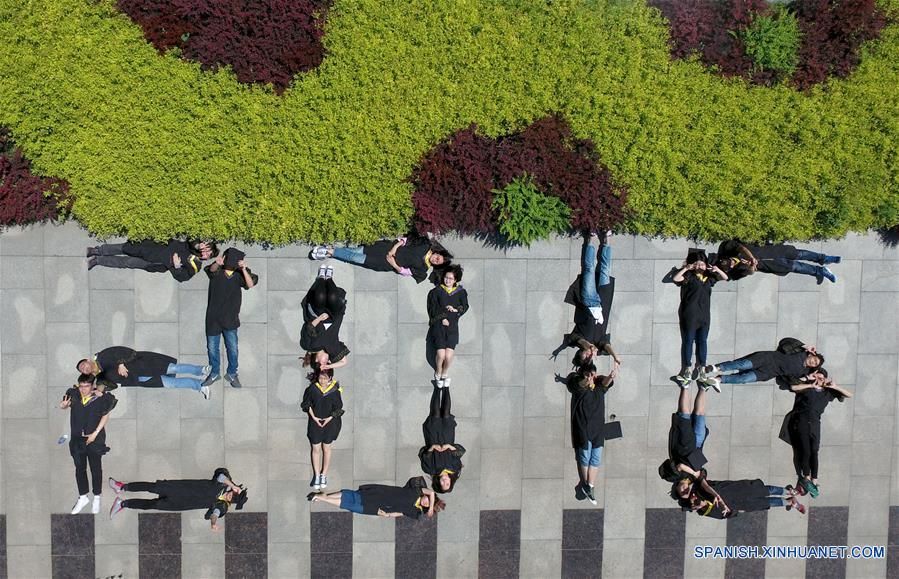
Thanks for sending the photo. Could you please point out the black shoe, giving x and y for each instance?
(579, 493)
(311, 496)
(588, 490)
(91, 263)
(93, 252)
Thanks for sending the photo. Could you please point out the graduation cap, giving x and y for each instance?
(240, 500)
(232, 256)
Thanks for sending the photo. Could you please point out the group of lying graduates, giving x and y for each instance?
(795, 366)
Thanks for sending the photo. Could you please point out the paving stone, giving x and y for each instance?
(875, 393)
(288, 560)
(376, 319)
(115, 560)
(632, 275)
(202, 560)
(503, 406)
(540, 559)
(880, 276)
(23, 318)
(373, 445)
(21, 272)
(546, 322)
(285, 319)
(858, 246)
(839, 344)
(22, 384)
(202, 444)
(622, 557)
(655, 248)
(376, 396)
(624, 506)
(501, 471)
(156, 299)
(547, 275)
(412, 410)
(462, 526)
(504, 351)
(412, 302)
(839, 302)
(756, 298)
(875, 336)
(630, 322)
(505, 297)
(111, 319)
(245, 418)
(66, 294)
(797, 312)
(457, 560)
(27, 240)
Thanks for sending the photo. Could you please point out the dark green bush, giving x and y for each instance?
(772, 41)
(153, 146)
(525, 214)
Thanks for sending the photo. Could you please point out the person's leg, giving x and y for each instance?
(326, 458)
(605, 264)
(806, 255)
(445, 403)
(582, 456)
(593, 472)
(741, 378)
(803, 268)
(214, 354)
(141, 504)
(441, 358)
(81, 473)
(122, 262)
(192, 369)
(316, 459)
(331, 498)
(686, 348)
(231, 350)
(699, 425)
(738, 365)
(110, 249)
(589, 295)
(775, 491)
(593, 467)
(435, 402)
(96, 464)
(173, 382)
(702, 345)
(354, 254)
(449, 353)
(139, 487)
(813, 460)
(775, 501)
(683, 402)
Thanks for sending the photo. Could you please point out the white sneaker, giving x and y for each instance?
(80, 504)
(447, 381)
(596, 312)
(322, 481)
(323, 272)
(95, 507)
(329, 272)
(206, 391)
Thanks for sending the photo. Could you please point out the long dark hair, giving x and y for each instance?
(453, 477)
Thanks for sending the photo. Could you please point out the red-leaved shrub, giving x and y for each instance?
(832, 33)
(264, 41)
(25, 197)
(454, 181)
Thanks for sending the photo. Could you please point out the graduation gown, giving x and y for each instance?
(585, 325)
(588, 414)
(323, 404)
(393, 499)
(160, 255)
(434, 462)
(771, 258)
(438, 300)
(325, 336)
(224, 299)
(193, 494)
(740, 495)
(682, 443)
(84, 419)
(695, 310)
(138, 364)
(439, 430)
(411, 255)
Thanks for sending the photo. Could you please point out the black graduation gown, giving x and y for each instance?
(695, 310)
(682, 443)
(224, 299)
(585, 325)
(434, 462)
(411, 255)
(318, 338)
(323, 404)
(392, 499)
(772, 363)
(808, 406)
(138, 364)
(193, 494)
(84, 419)
(739, 495)
(588, 414)
(438, 299)
(439, 430)
(160, 255)
(331, 292)
(769, 256)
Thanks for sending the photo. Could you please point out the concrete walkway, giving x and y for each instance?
(512, 414)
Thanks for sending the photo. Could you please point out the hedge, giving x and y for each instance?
(25, 197)
(153, 146)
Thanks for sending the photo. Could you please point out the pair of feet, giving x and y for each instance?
(442, 381)
(806, 486)
(824, 273)
(319, 482)
(83, 502)
(326, 272)
(705, 376)
(585, 491)
(117, 504)
(211, 379)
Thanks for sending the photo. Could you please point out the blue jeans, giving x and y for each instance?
(213, 344)
(806, 255)
(351, 501)
(354, 254)
(699, 337)
(589, 295)
(589, 455)
(745, 374)
(739, 365)
(805, 268)
(184, 369)
(698, 421)
(775, 498)
(170, 381)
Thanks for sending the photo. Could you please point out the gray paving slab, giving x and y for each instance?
(504, 352)
(18, 272)
(882, 276)
(22, 312)
(246, 412)
(22, 385)
(156, 299)
(874, 335)
(111, 318)
(505, 286)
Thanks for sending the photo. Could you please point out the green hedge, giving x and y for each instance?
(152, 146)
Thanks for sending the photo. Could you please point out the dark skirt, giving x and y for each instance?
(439, 430)
(444, 336)
(326, 435)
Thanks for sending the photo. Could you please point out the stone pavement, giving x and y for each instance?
(512, 414)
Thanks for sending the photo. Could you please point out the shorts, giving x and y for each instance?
(443, 337)
(351, 501)
(589, 456)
